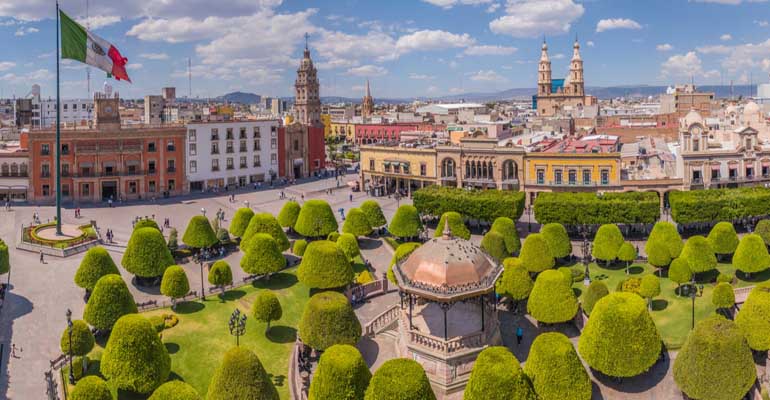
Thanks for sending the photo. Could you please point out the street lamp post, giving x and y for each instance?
(246, 203)
(69, 345)
(585, 248)
(694, 291)
(397, 196)
(237, 325)
(203, 293)
(203, 211)
(529, 219)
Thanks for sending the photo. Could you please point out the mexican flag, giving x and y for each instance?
(81, 45)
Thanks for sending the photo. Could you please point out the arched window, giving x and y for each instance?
(5, 169)
(509, 170)
(23, 169)
(14, 169)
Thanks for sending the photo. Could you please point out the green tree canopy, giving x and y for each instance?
(220, 274)
(596, 290)
(175, 390)
(679, 271)
(328, 319)
(715, 362)
(555, 369)
(135, 359)
(494, 244)
(91, 387)
(506, 227)
(265, 223)
(356, 223)
(754, 318)
(332, 237)
(348, 243)
(535, 254)
(240, 221)
(95, 264)
(299, 247)
(497, 375)
(262, 255)
(146, 223)
(723, 238)
(175, 284)
(627, 253)
(146, 254)
(751, 255)
(456, 225)
(5, 260)
(199, 233)
(664, 244)
(649, 287)
(266, 308)
(402, 252)
(515, 283)
(373, 213)
(324, 266)
(405, 223)
(607, 243)
(316, 219)
(241, 376)
(699, 254)
(620, 339)
(402, 379)
(341, 374)
(289, 213)
(109, 301)
(723, 296)
(552, 299)
(763, 230)
(558, 240)
(82, 339)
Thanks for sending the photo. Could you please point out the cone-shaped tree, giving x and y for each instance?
(373, 213)
(607, 243)
(402, 252)
(174, 284)
(175, 390)
(172, 242)
(679, 271)
(96, 263)
(552, 299)
(82, 339)
(723, 296)
(751, 255)
(402, 379)
(715, 362)
(456, 225)
(763, 230)
(515, 283)
(494, 244)
(497, 375)
(723, 238)
(535, 254)
(135, 359)
(699, 254)
(324, 266)
(5, 260)
(596, 290)
(341, 374)
(620, 339)
(265, 223)
(146, 223)
(649, 288)
(299, 247)
(328, 319)
(348, 243)
(262, 255)
(506, 227)
(289, 213)
(754, 318)
(663, 245)
(627, 254)
(240, 221)
(146, 254)
(91, 388)
(199, 233)
(558, 240)
(356, 223)
(241, 376)
(220, 274)
(555, 369)
(266, 308)
(109, 301)
(406, 222)
(316, 219)
(332, 237)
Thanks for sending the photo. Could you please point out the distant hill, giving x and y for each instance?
(241, 98)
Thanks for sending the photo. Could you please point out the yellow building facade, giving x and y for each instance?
(343, 129)
(571, 172)
(386, 169)
(326, 119)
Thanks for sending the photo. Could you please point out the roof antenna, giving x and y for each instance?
(306, 36)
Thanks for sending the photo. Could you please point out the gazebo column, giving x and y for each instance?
(445, 307)
(482, 312)
(410, 312)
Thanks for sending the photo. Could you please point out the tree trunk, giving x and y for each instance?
(173, 304)
(268, 328)
(85, 364)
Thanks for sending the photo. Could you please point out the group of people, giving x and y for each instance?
(109, 235)
(221, 214)
(77, 212)
(7, 205)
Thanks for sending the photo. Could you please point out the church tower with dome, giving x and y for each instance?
(561, 96)
(307, 98)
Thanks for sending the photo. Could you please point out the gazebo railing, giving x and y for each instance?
(383, 320)
(439, 345)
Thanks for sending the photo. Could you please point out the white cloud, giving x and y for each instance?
(358, 88)
(431, 89)
(99, 21)
(683, 66)
(726, 37)
(558, 56)
(37, 76)
(368, 70)
(744, 56)
(493, 8)
(6, 65)
(432, 40)
(421, 76)
(487, 76)
(729, 2)
(490, 50)
(447, 4)
(135, 66)
(453, 64)
(713, 49)
(25, 31)
(154, 56)
(616, 23)
(664, 47)
(531, 18)
(590, 43)
(762, 23)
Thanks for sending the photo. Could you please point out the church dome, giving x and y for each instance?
(692, 117)
(731, 109)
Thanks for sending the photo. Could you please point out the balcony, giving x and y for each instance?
(45, 174)
(244, 166)
(230, 150)
(242, 149)
(45, 153)
(214, 137)
(574, 184)
(152, 171)
(214, 169)
(214, 151)
(230, 167)
(170, 148)
(171, 169)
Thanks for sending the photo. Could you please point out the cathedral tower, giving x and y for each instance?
(307, 100)
(576, 72)
(544, 72)
(367, 106)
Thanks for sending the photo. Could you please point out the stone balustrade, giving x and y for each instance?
(382, 320)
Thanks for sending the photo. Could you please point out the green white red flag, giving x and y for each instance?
(79, 44)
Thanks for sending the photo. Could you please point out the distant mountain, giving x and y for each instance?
(240, 98)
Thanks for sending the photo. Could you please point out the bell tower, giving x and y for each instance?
(544, 72)
(577, 85)
(367, 106)
(307, 100)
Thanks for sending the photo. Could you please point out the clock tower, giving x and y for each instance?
(106, 110)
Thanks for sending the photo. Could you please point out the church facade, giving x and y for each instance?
(561, 96)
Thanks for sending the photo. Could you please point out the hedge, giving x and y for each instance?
(199, 234)
(751, 255)
(719, 204)
(406, 222)
(515, 283)
(627, 254)
(663, 245)
(552, 299)
(341, 374)
(356, 223)
(555, 369)
(649, 287)
(266, 308)
(497, 375)
(456, 225)
(373, 213)
(723, 296)
(109, 301)
(91, 387)
(535, 254)
(82, 339)
(287, 217)
(699, 254)
(569, 208)
(262, 255)
(494, 244)
(240, 221)
(265, 223)
(558, 240)
(596, 290)
(506, 227)
(607, 243)
(95, 264)
(762, 229)
(485, 205)
(402, 252)
(348, 243)
(175, 390)
(402, 379)
(316, 219)
(754, 318)
(146, 223)
(241, 376)
(147, 254)
(324, 266)
(329, 319)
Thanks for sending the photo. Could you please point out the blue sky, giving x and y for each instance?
(405, 47)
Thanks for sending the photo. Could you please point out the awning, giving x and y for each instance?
(715, 167)
(766, 163)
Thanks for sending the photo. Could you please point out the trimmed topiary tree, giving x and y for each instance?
(552, 299)
(754, 318)
(558, 240)
(715, 362)
(316, 219)
(332, 237)
(348, 243)
(324, 266)
(402, 252)
(265, 223)
(82, 341)
(341, 374)
(287, 217)
(663, 245)
(620, 339)
(199, 233)
(497, 374)
(723, 296)
(175, 390)
(328, 319)
(172, 243)
(96, 263)
(356, 223)
(402, 379)
(241, 376)
(596, 290)
(91, 387)
(266, 308)
(723, 238)
(109, 301)
(607, 243)
(299, 247)
(535, 254)
(456, 225)
(174, 284)
(679, 271)
(699, 254)
(240, 221)
(373, 213)
(763, 230)
(262, 255)
(627, 254)
(751, 255)
(506, 227)
(405, 223)
(494, 244)
(220, 275)
(146, 223)
(555, 369)
(5, 259)
(147, 254)
(649, 288)
(515, 283)
(135, 359)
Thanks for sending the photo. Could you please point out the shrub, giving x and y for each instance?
(241, 376)
(287, 217)
(146, 254)
(402, 379)
(405, 223)
(763, 230)
(402, 252)
(754, 318)
(497, 374)
(222, 235)
(558, 240)
(719, 204)
(373, 213)
(456, 225)
(240, 221)
(170, 321)
(596, 290)
(135, 359)
(506, 227)
(552, 299)
(620, 339)
(96, 263)
(220, 274)
(699, 254)
(356, 223)
(607, 243)
(679, 271)
(82, 339)
(5, 263)
(570, 208)
(146, 223)
(324, 266)
(349, 246)
(328, 319)
(723, 238)
(485, 205)
(332, 237)
(649, 288)
(262, 255)
(266, 308)
(751, 255)
(174, 284)
(715, 362)
(663, 245)
(555, 369)
(173, 242)
(316, 219)
(629, 285)
(723, 296)
(109, 301)
(725, 277)
(299, 247)
(535, 254)
(364, 277)
(157, 323)
(627, 254)
(175, 390)
(515, 283)
(567, 272)
(91, 388)
(494, 244)
(341, 374)
(265, 223)
(199, 233)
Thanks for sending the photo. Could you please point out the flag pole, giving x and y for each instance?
(58, 131)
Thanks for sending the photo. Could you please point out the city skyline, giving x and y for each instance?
(427, 48)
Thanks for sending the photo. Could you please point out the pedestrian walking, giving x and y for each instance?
(42, 260)
(351, 197)
(13, 351)
(519, 335)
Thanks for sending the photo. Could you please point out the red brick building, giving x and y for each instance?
(373, 133)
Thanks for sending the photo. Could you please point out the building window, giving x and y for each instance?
(371, 164)
(605, 177)
(386, 167)
(317, 163)
(171, 185)
(242, 148)
(171, 166)
(45, 171)
(243, 162)
(406, 168)
(242, 133)
(65, 149)
(557, 176)
(229, 149)
(229, 135)
(214, 148)
(65, 190)
(257, 161)
(273, 130)
(273, 159)
(586, 177)
(132, 187)
(215, 165)
(257, 146)
(65, 170)
(572, 174)
(152, 186)
(214, 134)
(191, 134)
(230, 164)
(85, 189)
(151, 167)
(45, 149)
(193, 166)
(170, 146)
(256, 133)
(193, 149)
(296, 145)
(151, 147)
(46, 190)
(273, 143)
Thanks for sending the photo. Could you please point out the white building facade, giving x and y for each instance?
(231, 154)
(73, 112)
